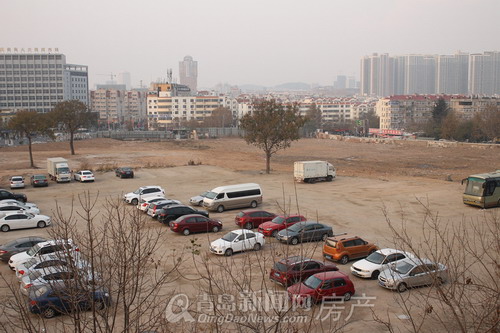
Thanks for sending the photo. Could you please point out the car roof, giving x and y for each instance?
(150, 186)
(56, 241)
(40, 175)
(16, 177)
(389, 251)
(294, 260)
(191, 215)
(289, 215)
(331, 275)
(344, 237)
(85, 171)
(246, 211)
(243, 231)
(178, 205)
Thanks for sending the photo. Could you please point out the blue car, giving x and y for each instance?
(50, 300)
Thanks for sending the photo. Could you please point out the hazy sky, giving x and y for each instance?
(264, 42)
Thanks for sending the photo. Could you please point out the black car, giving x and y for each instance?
(171, 213)
(4, 194)
(52, 299)
(124, 172)
(39, 180)
(18, 245)
(304, 232)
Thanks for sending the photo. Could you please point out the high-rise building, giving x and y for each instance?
(124, 78)
(188, 73)
(32, 80)
(420, 74)
(452, 73)
(484, 73)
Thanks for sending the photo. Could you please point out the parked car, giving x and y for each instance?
(59, 246)
(198, 199)
(49, 260)
(6, 208)
(4, 194)
(294, 269)
(236, 241)
(18, 245)
(195, 223)
(320, 286)
(171, 212)
(50, 300)
(124, 172)
(347, 248)
(84, 176)
(272, 227)
(307, 231)
(17, 202)
(143, 205)
(144, 193)
(155, 208)
(252, 218)
(17, 182)
(39, 180)
(22, 220)
(408, 273)
(371, 266)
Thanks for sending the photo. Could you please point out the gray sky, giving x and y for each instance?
(265, 42)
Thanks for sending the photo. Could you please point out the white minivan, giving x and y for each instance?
(233, 196)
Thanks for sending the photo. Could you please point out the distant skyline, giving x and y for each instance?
(246, 42)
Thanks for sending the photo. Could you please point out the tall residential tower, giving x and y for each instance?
(188, 72)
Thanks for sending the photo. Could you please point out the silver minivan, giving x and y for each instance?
(233, 196)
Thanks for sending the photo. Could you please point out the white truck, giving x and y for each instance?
(313, 171)
(58, 169)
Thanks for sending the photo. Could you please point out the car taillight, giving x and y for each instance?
(3, 251)
(32, 302)
(28, 286)
(21, 272)
(77, 250)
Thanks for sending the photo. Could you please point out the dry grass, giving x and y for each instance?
(106, 167)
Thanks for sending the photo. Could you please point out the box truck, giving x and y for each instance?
(313, 171)
(58, 169)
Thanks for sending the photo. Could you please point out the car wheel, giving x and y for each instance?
(344, 260)
(294, 241)
(257, 246)
(324, 237)
(228, 253)
(375, 275)
(248, 225)
(5, 228)
(347, 296)
(41, 224)
(402, 287)
(134, 202)
(215, 229)
(200, 203)
(186, 232)
(99, 305)
(220, 209)
(253, 204)
(49, 313)
(329, 178)
(275, 233)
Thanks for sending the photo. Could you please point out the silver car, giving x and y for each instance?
(409, 273)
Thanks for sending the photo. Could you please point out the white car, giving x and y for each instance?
(16, 182)
(52, 246)
(371, 266)
(84, 176)
(198, 200)
(6, 207)
(22, 219)
(144, 193)
(17, 202)
(143, 205)
(236, 241)
(48, 260)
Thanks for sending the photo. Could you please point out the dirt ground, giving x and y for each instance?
(370, 176)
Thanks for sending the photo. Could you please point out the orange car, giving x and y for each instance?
(347, 248)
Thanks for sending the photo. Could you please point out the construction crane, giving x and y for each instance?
(111, 75)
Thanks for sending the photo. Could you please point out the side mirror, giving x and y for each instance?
(463, 181)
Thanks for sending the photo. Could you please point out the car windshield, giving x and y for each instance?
(240, 214)
(402, 267)
(33, 250)
(376, 258)
(137, 191)
(204, 194)
(63, 170)
(331, 243)
(126, 169)
(280, 267)
(296, 227)
(278, 220)
(474, 186)
(312, 282)
(30, 263)
(211, 195)
(39, 177)
(17, 179)
(87, 173)
(230, 236)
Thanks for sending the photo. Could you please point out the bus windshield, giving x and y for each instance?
(474, 186)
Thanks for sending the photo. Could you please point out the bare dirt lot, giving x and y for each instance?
(370, 176)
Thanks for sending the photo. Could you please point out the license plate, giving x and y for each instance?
(328, 257)
(276, 274)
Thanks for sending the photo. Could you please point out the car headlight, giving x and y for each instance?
(268, 229)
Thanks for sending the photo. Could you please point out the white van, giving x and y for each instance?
(233, 196)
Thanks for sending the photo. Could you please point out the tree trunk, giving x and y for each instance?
(31, 153)
(71, 143)
(268, 162)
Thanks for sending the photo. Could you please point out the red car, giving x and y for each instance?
(251, 218)
(294, 269)
(187, 224)
(320, 286)
(272, 228)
